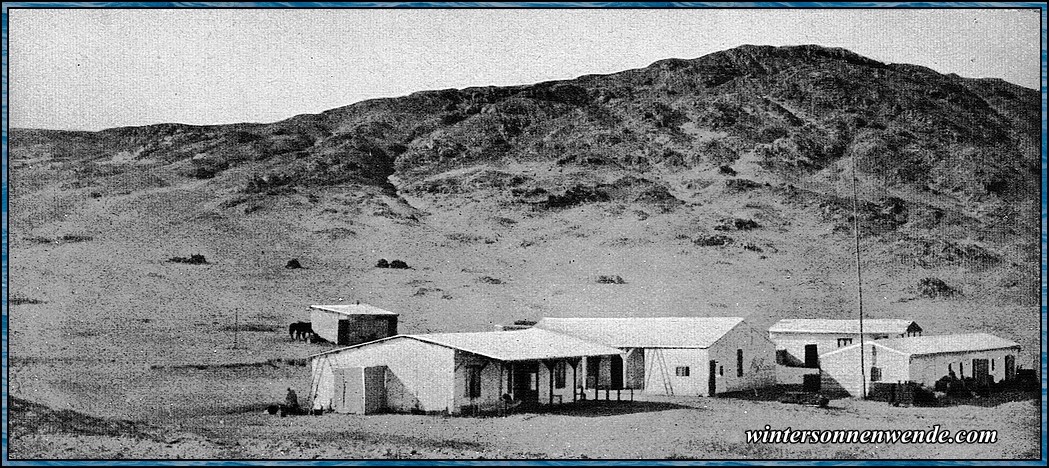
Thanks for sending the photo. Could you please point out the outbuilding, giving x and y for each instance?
(981, 356)
(800, 342)
(452, 372)
(673, 355)
(350, 324)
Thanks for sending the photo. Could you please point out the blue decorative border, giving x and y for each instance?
(824, 5)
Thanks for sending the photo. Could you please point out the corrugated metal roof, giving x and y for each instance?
(852, 326)
(353, 309)
(645, 332)
(524, 345)
(937, 344)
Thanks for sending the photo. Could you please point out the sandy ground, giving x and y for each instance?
(699, 428)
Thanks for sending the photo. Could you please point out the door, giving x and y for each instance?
(593, 371)
(344, 333)
(981, 370)
(526, 382)
(812, 356)
(349, 391)
(1010, 367)
(616, 366)
(712, 379)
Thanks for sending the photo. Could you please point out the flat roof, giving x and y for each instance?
(938, 344)
(353, 309)
(846, 326)
(645, 332)
(525, 345)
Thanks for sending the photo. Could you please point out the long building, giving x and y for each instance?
(926, 359)
(452, 372)
(673, 355)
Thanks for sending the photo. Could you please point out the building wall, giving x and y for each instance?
(840, 371)
(419, 376)
(929, 368)
(759, 360)
(655, 373)
(794, 343)
(325, 324)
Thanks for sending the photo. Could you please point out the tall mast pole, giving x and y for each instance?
(859, 277)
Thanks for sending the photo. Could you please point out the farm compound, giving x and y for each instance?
(352, 324)
(673, 355)
(985, 358)
(800, 342)
(451, 372)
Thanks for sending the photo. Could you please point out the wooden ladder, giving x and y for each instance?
(667, 386)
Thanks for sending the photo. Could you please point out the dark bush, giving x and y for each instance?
(195, 259)
(737, 224)
(713, 241)
(935, 288)
(293, 264)
(610, 279)
(382, 263)
(399, 265)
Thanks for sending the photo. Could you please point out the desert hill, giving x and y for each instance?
(713, 186)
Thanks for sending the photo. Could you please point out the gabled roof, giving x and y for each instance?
(851, 326)
(645, 332)
(938, 344)
(353, 309)
(507, 346)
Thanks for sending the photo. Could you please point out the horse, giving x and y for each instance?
(300, 331)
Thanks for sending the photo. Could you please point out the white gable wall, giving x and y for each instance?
(759, 360)
(795, 343)
(419, 375)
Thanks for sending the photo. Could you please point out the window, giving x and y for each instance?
(721, 370)
(961, 370)
(559, 374)
(681, 371)
(875, 374)
(473, 381)
(844, 342)
(874, 356)
(992, 364)
(739, 363)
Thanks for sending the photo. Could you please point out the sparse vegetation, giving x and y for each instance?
(195, 259)
(935, 288)
(610, 279)
(20, 300)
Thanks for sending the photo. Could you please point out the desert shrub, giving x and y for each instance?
(293, 264)
(935, 288)
(577, 195)
(195, 259)
(737, 224)
(382, 263)
(19, 300)
(713, 241)
(76, 238)
(399, 264)
(490, 280)
(727, 170)
(610, 279)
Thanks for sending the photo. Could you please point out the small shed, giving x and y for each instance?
(924, 360)
(350, 324)
(800, 342)
(458, 372)
(673, 355)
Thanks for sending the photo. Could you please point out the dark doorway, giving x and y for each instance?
(1010, 367)
(593, 370)
(526, 382)
(981, 371)
(812, 356)
(712, 379)
(616, 379)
